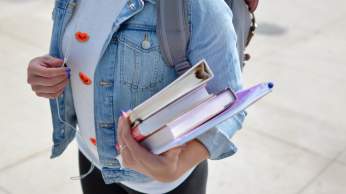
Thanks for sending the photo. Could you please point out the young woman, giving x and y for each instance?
(104, 58)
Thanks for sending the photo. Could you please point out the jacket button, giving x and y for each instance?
(146, 44)
(105, 83)
(106, 125)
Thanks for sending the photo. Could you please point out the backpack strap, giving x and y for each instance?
(172, 29)
(242, 22)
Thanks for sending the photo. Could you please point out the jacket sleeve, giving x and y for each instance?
(213, 38)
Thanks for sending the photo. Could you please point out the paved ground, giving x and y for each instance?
(293, 142)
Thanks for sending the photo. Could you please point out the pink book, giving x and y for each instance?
(191, 119)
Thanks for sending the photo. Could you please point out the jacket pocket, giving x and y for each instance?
(139, 61)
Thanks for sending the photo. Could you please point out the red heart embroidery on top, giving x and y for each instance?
(85, 79)
(82, 36)
(93, 141)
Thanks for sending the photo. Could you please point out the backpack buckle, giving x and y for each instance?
(180, 68)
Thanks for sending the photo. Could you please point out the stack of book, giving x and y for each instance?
(184, 109)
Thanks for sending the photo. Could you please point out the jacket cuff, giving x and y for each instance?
(217, 140)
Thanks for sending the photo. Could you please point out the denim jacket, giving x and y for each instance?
(127, 74)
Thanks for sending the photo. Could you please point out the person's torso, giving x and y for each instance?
(130, 70)
(82, 42)
(127, 73)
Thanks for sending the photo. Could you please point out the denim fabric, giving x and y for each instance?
(127, 74)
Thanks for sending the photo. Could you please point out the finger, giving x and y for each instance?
(137, 150)
(43, 81)
(124, 132)
(127, 158)
(50, 89)
(60, 92)
(41, 70)
(119, 140)
(52, 61)
(121, 143)
(123, 126)
(48, 95)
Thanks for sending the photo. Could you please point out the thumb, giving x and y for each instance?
(52, 61)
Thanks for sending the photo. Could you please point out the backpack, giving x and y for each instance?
(173, 31)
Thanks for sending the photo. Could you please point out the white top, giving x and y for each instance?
(95, 18)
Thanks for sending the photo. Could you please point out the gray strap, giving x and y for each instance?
(242, 25)
(173, 32)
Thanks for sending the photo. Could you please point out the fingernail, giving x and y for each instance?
(117, 146)
(68, 73)
(123, 113)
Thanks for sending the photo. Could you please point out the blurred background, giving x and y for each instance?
(293, 141)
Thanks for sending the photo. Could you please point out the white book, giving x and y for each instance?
(193, 78)
(169, 113)
(190, 120)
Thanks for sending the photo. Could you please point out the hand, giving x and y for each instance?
(164, 167)
(252, 4)
(47, 76)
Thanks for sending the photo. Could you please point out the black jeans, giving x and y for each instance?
(93, 184)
